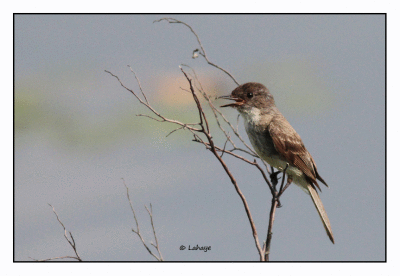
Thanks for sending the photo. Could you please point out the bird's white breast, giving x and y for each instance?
(253, 120)
(251, 116)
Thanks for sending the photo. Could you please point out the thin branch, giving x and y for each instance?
(137, 232)
(223, 150)
(57, 258)
(154, 230)
(155, 119)
(267, 245)
(140, 86)
(283, 181)
(150, 107)
(289, 181)
(130, 203)
(228, 172)
(202, 51)
(179, 128)
(274, 204)
(201, 112)
(254, 163)
(70, 240)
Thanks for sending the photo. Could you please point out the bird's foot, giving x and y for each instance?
(274, 177)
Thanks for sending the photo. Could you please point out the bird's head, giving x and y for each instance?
(250, 95)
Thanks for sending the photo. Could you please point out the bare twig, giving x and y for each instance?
(283, 181)
(274, 204)
(163, 119)
(223, 150)
(144, 115)
(202, 51)
(140, 86)
(137, 232)
(289, 181)
(267, 245)
(70, 240)
(56, 258)
(179, 128)
(254, 163)
(154, 230)
(213, 149)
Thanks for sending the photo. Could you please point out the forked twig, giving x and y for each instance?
(202, 135)
(70, 240)
(202, 51)
(137, 231)
(275, 203)
(140, 86)
(162, 118)
(154, 230)
(210, 145)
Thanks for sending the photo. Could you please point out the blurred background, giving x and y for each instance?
(76, 135)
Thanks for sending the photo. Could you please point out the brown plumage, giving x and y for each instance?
(291, 148)
(275, 141)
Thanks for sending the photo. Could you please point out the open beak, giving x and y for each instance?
(238, 101)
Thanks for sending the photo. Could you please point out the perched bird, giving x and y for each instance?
(276, 142)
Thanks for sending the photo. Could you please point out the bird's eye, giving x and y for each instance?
(250, 95)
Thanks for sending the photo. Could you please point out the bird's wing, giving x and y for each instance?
(291, 148)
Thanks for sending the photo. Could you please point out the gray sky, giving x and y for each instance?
(76, 135)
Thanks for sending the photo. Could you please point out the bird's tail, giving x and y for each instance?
(321, 211)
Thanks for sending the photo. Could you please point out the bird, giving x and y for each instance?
(276, 141)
